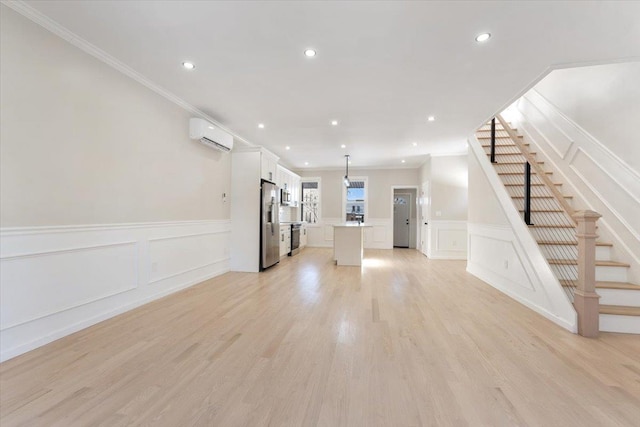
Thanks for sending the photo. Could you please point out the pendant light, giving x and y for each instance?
(346, 181)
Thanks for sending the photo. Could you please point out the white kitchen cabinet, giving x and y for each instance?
(248, 165)
(269, 165)
(285, 240)
(303, 235)
(291, 182)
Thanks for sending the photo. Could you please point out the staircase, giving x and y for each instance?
(554, 230)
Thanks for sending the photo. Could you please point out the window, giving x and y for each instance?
(355, 200)
(310, 200)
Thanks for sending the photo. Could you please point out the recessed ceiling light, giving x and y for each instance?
(188, 65)
(210, 127)
(343, 146)
(402, 161)
(261, 125)
(310, 53)
(287, 148)
(306, 163)
(483, 37)
(415, 144)
(334, 122)
(431, 118)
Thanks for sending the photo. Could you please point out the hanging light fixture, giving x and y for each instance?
(346, 181)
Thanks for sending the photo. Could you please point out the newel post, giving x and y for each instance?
(585, 298)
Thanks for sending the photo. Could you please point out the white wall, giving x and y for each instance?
(380, 194)
(502, 251)
(105, 203)
(604, 100)
(602, 173)
(447, 206)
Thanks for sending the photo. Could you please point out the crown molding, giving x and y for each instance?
(54, 27)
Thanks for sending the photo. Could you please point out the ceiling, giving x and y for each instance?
(381, 67)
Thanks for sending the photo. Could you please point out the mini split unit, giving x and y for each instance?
(210, 135)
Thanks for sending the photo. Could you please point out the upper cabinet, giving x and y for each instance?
(289, 181)
(269, 166)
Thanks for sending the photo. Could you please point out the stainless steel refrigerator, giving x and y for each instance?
(269, 225)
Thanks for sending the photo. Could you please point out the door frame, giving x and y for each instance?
(415, 206)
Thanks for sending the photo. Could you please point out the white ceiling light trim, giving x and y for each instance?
(483, 37)
(334, 122)
(69, 36)
(309, 53)
(261, 125)
(189, 65)
(431, 118)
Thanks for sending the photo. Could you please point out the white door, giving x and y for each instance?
(401, 219)
(424, 216)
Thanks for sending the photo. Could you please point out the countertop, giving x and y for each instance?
(352, 224)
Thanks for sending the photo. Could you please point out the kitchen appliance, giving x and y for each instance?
(269, 225)
(285, 197)
(295, 238)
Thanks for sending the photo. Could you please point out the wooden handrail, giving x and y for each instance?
(538, 169)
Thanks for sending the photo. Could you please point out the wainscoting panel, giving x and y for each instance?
(497, 257)
(58, 280)
(447, 239)
(379, 236)
(597, 177)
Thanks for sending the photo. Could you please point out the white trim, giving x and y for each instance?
(548, 297)
(415, 207)
(44, 21)
(52, 291)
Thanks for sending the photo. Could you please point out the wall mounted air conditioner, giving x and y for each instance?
(210, 135)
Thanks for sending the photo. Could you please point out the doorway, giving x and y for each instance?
(404, 217)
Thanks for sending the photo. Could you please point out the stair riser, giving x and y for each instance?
(519, 179)
(545, 218)
(539, 204)
(509, 159)
(603, 253)
(603, 273)
(619, 297)
(555, 234)
(616, 323)
(535, 191)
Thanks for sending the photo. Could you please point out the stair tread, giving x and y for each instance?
(604, 285)
(521, 173)
(498, 137)
(515, 163)
(573, 243)
(555, 261)
(541, 197)
(533, 184)
(544, 210)
(621, 310)
(513, 154)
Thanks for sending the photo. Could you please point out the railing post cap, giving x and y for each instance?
(586, 214)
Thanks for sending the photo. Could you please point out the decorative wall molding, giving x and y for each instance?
(58, 280)
(49, 24)
(447, 239)
(600, 180)
(506, 256)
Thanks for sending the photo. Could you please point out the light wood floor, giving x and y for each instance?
(403, 342)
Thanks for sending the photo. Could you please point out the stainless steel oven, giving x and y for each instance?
(295, 238)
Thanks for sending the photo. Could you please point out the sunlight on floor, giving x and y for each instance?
(374, 263)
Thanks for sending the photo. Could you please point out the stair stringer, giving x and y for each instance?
(543, 293)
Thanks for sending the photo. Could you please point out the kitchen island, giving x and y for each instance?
(348, 243)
